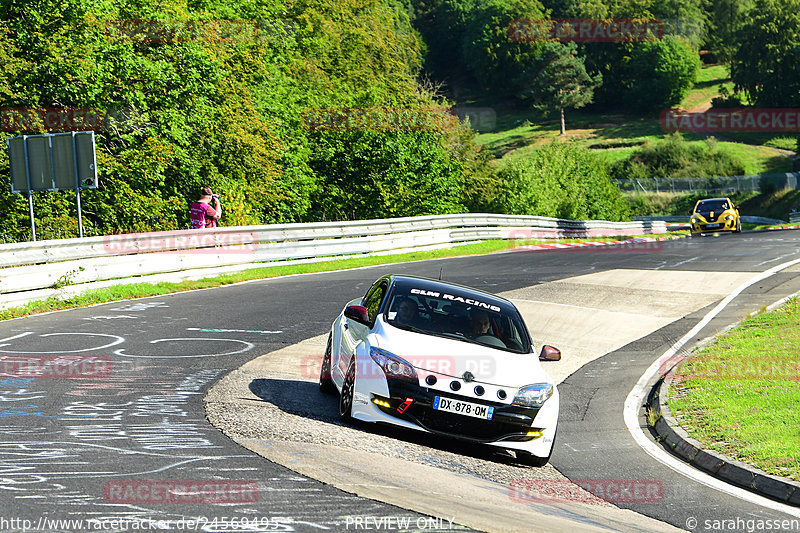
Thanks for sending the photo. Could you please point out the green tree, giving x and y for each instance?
(673, 157)
(558, 80)
(491, 54)
(661, 73)
(383, 175)
(442, 24)
(767, 63)
(726, 19)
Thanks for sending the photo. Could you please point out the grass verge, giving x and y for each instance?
(142, 290)
(615, 136)
(740, 396)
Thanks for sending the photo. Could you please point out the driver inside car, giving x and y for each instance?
(407, 312)
(479, 324)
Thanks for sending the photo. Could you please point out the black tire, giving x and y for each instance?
(738, 226)
(528, 459)
(326, 385)
(346, 395)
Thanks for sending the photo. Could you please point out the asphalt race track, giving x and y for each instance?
(101, 444)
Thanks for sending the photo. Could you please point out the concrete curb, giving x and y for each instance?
(716, 464)
(785, 227)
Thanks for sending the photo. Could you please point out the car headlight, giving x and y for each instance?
(729, 217)
(533, 395)
(393, 366)
(695, 221)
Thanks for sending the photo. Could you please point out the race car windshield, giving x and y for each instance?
(458, 316)
(707, 206)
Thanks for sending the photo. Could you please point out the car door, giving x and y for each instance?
(352, 333)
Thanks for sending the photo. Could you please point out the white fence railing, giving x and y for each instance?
(44, 266)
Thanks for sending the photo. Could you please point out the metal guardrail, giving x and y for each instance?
(712, 185)
(685, 220)
(794, 217)
(47, 265)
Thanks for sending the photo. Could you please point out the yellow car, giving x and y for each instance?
(715, 214)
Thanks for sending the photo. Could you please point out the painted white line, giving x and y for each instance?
(247, 346)
(773, 260)
(637, 395)
(554, 303)
(14, 337)
(686, 261)
(117, 340)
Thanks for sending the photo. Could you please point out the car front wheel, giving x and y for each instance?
(325, 382)
(346, 396)
(529, 459)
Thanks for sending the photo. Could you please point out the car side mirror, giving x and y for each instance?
(736, 207)
(550, 353)
(357, 313)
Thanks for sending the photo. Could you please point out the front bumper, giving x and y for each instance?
(508, 423)
(711, 227)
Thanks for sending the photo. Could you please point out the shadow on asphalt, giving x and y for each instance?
(303, 398)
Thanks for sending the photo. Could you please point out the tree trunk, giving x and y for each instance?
(563, 129)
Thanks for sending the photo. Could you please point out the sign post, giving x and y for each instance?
(53, 162)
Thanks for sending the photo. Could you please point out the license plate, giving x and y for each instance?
(712, 226)
(463, 408)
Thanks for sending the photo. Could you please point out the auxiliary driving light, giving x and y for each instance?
(381, 403)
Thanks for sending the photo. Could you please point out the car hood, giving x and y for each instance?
(451, 357)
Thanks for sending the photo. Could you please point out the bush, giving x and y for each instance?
(559, 180)
(673, 157)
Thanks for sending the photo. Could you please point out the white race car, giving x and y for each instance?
(446, 359)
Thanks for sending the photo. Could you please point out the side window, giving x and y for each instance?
(373, 299)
